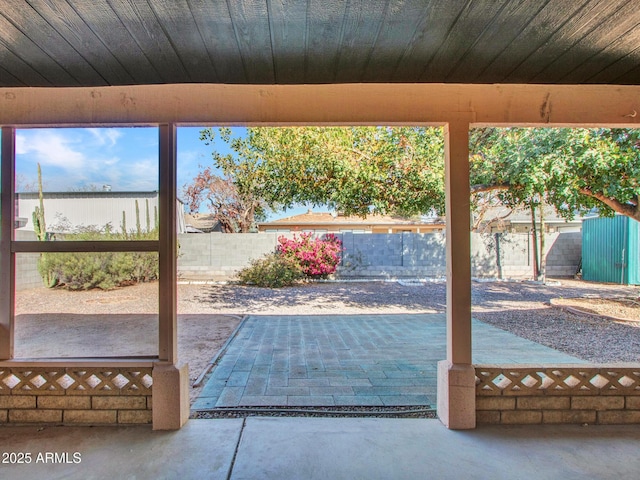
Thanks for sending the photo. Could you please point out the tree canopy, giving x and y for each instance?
(356, 170)
(362, 170)
(574, 170)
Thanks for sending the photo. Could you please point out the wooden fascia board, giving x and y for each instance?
(335, 104)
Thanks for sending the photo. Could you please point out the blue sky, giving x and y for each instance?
(124, 158)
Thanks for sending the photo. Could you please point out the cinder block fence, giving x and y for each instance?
(219, 256)
(505, 394)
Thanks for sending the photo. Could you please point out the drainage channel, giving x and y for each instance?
(413, 411)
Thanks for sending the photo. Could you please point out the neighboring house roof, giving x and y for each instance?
(312, 219)
(201, 222)
(495, 217)
(501, 216)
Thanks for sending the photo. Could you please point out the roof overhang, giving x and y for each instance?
(75, 43)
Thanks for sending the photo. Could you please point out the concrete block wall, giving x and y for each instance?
(424, 250)
(237, 250)
(219, 256)
(564, 253)
(424, 255)
(513, 250)
(27, 275)
(385, 250)
(528, 410)
(194, 250)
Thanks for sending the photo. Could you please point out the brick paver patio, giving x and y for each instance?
(349, 360)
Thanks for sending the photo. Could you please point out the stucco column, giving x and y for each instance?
(170, 379)
(456, 375)
(7, 258)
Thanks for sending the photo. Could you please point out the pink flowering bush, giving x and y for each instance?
(317, 257)
(294, 259)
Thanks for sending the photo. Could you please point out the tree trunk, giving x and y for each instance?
(498, 237)
(536, 257)
(542, 273)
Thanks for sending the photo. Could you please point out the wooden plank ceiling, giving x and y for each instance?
(128, 42)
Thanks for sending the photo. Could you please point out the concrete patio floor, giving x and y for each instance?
(322, 448)
(349, 360)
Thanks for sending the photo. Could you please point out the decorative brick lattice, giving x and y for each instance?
(75, 381)
(575, 380)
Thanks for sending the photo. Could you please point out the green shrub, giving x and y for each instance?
(104, 270)
(272, 270)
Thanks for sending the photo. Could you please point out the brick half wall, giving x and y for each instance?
(76, 395)
(573, 394)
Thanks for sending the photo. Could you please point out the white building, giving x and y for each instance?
(70, 211)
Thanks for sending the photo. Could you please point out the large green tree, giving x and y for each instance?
(356, 170)
(574, 170)
(513, 166)
(359, 170)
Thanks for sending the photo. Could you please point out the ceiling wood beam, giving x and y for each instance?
(338, 104)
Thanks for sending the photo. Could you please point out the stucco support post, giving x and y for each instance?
(7, 258)
(170, 379)
(456, 375)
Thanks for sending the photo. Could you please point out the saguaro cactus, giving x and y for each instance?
(138, 227)
(148, 215)
(39, 225)
(123, 224)
(49, 277)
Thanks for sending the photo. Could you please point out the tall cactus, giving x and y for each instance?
(49, 277)
(156, 220)
(148, 215)
(39, 225)
(138, 227)
(123, 225)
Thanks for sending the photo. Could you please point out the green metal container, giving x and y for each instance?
(611, 250)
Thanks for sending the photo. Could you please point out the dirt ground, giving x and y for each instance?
(54, 323)
(622, 308)
(123, 322)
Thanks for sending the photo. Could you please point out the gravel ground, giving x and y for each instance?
(338, 412)
(524, 310)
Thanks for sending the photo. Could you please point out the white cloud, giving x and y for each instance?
(105, 136)
(49, 147)
(142, 175)
(77, 158)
